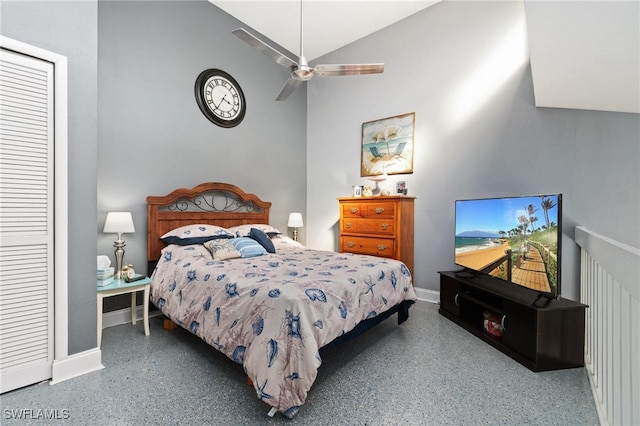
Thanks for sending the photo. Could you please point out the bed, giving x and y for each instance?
(271, 312)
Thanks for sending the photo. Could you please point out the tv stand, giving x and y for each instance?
(540, 336)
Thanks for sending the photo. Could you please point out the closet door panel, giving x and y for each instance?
(26, 220)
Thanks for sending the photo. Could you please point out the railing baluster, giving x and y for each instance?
(609, 285)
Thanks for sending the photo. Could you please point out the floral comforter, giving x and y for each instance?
(272, 313)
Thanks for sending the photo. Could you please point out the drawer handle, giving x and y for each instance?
(455, 299)
(379, 210)
(385, 226)
(503, 322)
(351, 244)
(347, 225)
(354, 210)
(382, 247)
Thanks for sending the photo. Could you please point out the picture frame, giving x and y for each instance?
(387, 145)
(357, 191)
(401, 187)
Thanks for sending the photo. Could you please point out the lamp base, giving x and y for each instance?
(119, 252)
(295, 234)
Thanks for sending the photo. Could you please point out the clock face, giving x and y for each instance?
(220, 98)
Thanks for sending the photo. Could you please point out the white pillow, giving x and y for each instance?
(195, 234)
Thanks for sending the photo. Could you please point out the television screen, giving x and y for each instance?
(516, 239)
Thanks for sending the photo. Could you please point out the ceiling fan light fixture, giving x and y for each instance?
(302, 73)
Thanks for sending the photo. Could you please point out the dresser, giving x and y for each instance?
(379, 226)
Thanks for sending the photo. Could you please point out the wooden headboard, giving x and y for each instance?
(212, 203)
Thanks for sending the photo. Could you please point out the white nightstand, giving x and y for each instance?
(122, 287)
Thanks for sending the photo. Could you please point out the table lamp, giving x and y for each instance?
(379, 179)
(118, 223)
(295, 222)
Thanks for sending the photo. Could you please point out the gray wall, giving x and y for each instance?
(462, 67)
(152, 136)
(70, 29)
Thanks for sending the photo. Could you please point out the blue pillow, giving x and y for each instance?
(263, 239)
(248, 247)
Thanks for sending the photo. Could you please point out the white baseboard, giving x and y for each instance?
(425, 295)
(123, 316)
(76, 365)
(91, 360)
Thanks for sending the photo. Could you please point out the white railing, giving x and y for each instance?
(610, 285)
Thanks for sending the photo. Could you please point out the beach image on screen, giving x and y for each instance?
(515, 239)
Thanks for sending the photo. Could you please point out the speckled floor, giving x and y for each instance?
(426, 371)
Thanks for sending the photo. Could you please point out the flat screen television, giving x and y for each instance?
(515, 239)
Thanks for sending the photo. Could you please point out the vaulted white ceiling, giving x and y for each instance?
(585, 54)
(328, 24)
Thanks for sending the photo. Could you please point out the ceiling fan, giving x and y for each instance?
(300, 69)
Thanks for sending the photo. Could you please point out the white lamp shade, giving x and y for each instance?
(118, 223)
(295, 220)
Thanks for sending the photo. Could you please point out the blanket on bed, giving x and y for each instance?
(272, 313)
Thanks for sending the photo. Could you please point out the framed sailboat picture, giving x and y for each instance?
(387, 145)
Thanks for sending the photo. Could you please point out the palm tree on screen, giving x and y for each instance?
(530, 211)
(547, 204)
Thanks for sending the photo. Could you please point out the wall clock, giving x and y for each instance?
(220, 98)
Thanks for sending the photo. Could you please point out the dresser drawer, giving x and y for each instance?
(367, 226)
(373, 210)
(384, 247)
(351, 210)
(380, 209)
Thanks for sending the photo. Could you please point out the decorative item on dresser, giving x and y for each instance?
(379, 226)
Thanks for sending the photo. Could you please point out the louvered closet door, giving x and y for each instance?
(26, 220)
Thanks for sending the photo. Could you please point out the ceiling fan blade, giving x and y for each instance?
(252, 40)
(290, 86)
(347, 69)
